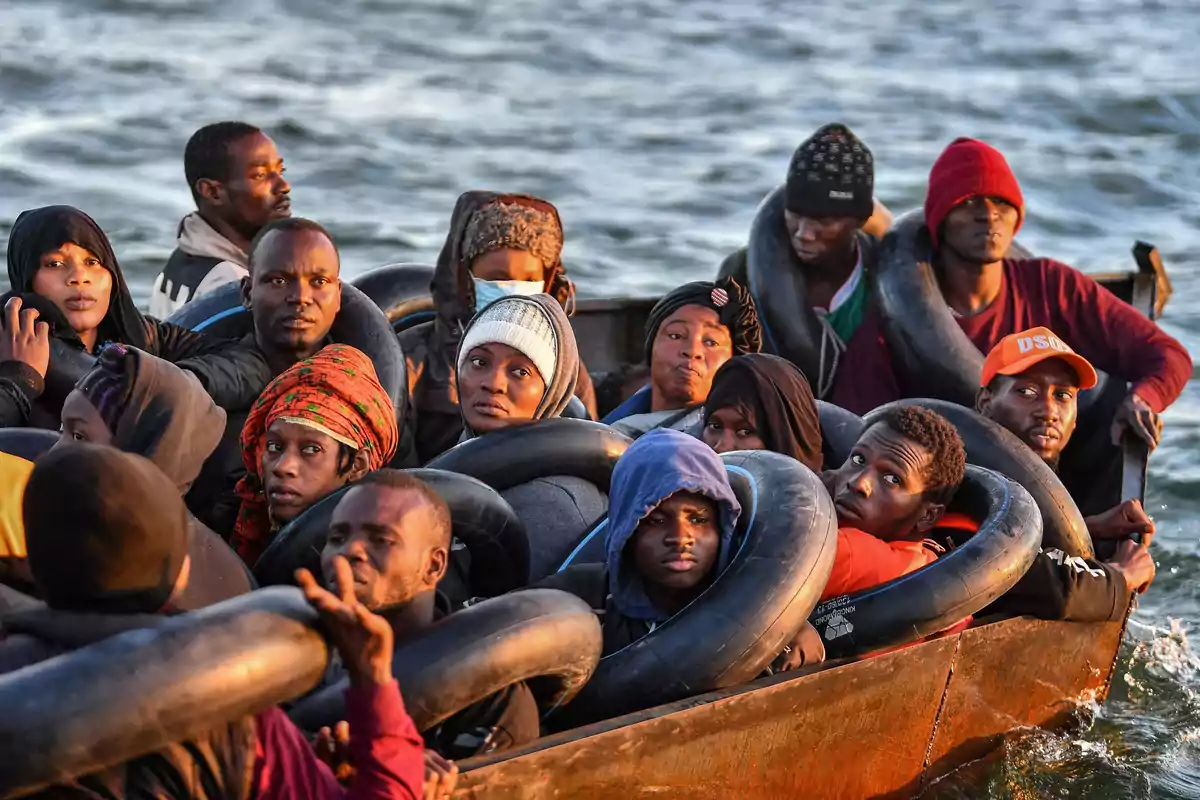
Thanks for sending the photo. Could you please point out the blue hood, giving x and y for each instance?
(655, 467)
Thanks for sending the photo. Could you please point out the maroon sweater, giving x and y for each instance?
(1102, 328)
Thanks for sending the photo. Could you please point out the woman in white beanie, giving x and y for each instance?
(517, 364)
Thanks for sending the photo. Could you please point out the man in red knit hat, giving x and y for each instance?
(973, 209)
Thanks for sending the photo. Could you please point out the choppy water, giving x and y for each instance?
(656, 126)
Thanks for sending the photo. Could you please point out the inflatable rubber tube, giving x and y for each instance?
(139, 691)
(790, 328)
(27, 443)
(734, 265)
(359, 324)
(991, 446)
(482, 520)
(960, 583)
(550, 639)
(840, 430)
(926, 342)
(739, 624)
(400, 290)
(218, 313)
(516, 455)
(67, 365)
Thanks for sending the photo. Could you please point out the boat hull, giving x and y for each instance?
(882, 726)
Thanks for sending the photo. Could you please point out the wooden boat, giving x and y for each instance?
(883, 726)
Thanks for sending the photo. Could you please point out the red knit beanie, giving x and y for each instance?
(969, 168)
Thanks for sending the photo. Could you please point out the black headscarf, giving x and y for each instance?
(772, 393)
(40, 230)
(117, 545)
(727, 297)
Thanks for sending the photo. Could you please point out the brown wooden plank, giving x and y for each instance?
(859, 730)
(1016, 673)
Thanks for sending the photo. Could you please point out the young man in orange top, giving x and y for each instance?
(1030, 385)
(891, 492)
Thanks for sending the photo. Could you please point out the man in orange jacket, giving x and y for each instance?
(891, 492)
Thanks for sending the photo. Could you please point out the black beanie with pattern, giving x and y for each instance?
(832, 174)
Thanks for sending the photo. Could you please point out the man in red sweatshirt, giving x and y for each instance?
(973, 209)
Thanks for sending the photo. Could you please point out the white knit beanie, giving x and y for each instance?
(521, 324)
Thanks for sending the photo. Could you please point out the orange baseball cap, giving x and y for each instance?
(1018, 352)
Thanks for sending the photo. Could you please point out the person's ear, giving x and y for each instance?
(360, 466)
(436, 566)
(212, 191)
(246, 282)
(983, 399)
(931, 514)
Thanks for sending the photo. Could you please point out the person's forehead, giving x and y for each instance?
(686, 499)
(695, 314)
(295, 249)
(254, 148)
(1050, 372)
(294, 431)
(389, 506)
(882, 441)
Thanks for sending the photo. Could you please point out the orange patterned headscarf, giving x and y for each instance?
(335, 392)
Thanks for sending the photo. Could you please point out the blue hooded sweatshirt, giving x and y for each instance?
(656, 466)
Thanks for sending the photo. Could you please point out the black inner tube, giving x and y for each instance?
(960, 583)
(790, 327)
(513, 456)
(546, 637)
(482, 520)
(27, 443)
(67, 365)
(139, 691)
(991, 446)
(744, 619)
(400, 290)
(840, 430)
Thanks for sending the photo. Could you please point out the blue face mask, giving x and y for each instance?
(487, 291)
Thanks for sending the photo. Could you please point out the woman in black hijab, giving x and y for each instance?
(763, 402)
(62, 264)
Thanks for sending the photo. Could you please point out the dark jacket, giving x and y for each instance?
(20, 387)
(234, 377)
(170, 420)
(1062, 587)
(430, 349)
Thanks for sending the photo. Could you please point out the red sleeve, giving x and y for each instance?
(1117, 339)
(863, 561)
(385, 750)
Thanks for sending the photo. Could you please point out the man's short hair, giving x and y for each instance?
(293, 225)
(403, 481)
(206, 155)
(935, 433)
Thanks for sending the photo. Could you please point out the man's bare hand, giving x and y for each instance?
(1134, 415)
(441, 776)
(1134, 562)
(363, 639)
(1120, 522)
